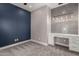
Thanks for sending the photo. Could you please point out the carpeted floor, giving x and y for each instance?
(34, 49)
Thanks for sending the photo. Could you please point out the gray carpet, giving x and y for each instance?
(34, 49)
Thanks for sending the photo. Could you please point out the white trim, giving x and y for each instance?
(14, 44)
(45, 44)
(64, 34)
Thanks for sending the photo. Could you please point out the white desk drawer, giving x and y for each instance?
(74, 48)
(74, 44)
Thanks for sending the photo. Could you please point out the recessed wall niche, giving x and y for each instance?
(65, 19)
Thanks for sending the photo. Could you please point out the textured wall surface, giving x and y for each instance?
(39, 25)
(63, 26)
(14, 24)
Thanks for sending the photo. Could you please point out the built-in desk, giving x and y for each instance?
(73, 40)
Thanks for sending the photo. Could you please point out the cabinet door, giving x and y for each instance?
(74, 43)
(23, 25)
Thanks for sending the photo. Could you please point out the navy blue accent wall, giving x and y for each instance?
(14, 23)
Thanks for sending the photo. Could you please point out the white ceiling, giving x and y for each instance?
(33, 6)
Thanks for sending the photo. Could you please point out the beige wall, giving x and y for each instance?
(39, 24)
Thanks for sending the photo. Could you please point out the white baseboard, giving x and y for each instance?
(45, 44)
(8, 46)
